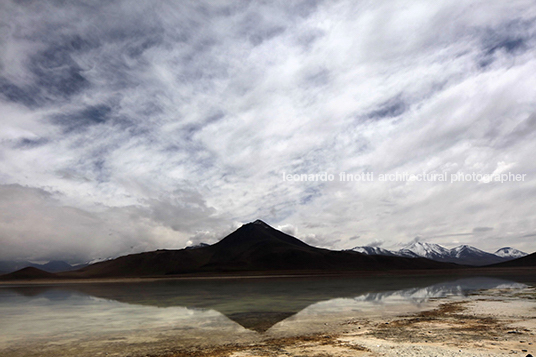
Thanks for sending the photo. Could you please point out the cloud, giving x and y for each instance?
(36, 226)
(482, 229)
(184, 116)
(376, 243)
(288, 229)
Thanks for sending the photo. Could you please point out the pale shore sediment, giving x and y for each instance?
(498, 322)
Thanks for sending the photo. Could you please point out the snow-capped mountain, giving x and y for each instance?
(510, 253)
(373, 251)
(467, 255)
(463, 254)
(200, 245)
(424, 250)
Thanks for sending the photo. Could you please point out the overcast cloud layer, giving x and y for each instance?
(128, 126)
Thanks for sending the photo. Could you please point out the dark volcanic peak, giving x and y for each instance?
(256, 233)
(259, 222)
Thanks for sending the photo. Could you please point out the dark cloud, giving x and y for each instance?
(512, 38)
(482, 229)
(529, 235)
(454, 235)
(92, 115)
(56, 75)
(391, 108)
(27, 143)
(28, 96)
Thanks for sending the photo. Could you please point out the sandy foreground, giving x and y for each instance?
(496, 322)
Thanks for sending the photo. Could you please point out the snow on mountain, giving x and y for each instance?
(424, 250)
(373, 251)
(98, 260)
(463, 254)
(510, 253)
(195, 246)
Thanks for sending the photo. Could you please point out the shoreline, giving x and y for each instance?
(454, 273)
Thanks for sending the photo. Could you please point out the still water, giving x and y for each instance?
(88, 319)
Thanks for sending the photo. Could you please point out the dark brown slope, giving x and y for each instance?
(253, 247)
(28, 273)
(526, 261)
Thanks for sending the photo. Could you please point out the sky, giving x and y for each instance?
(129, 126)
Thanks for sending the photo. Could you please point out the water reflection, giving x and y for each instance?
(247, 306)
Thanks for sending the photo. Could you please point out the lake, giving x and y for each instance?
(154, 317)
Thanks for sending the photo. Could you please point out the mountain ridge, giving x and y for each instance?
(258, 247)
(254, 247)
(53, 266)
(463, 254)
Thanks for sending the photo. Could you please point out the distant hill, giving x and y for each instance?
(10, 266)
(28, 273)
(526, 261)
(510, 253)
(54, 266)
(253, 247)
(463, 254)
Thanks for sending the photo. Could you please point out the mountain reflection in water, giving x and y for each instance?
(255, 304)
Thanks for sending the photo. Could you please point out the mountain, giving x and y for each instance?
(54, 266)
(508, 252)
(526, 261)
(463, 254)
(424, 250)
(254, 247)
(29, 273)
(374, 251)
(468, 255)
(200, 245)
(10, 266)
